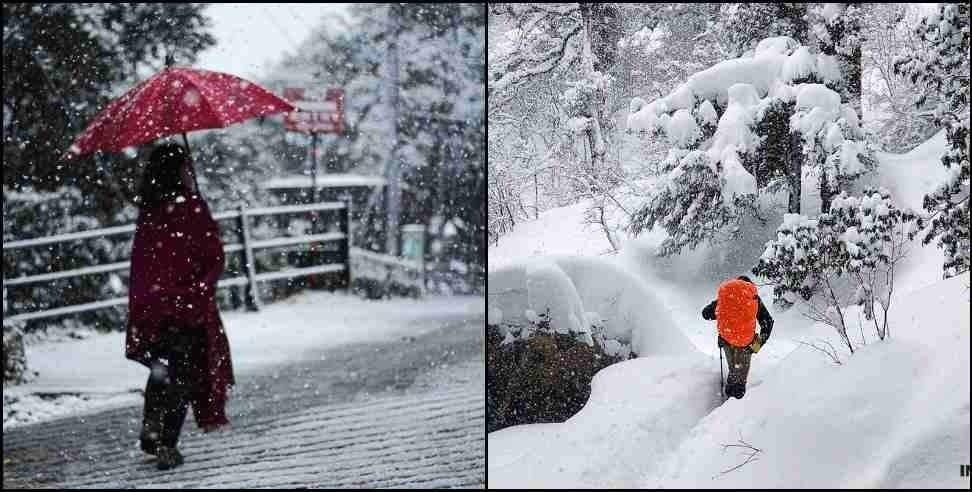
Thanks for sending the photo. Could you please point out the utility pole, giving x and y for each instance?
(393, 171)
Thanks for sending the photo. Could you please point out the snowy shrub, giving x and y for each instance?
(14, 358)
(857, 243)
(541, 375)
(942, 66)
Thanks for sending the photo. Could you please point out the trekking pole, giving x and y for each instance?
(722, 386)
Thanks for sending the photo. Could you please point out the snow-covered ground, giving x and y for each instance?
(895, 414)
(539, 238)
(93, 374)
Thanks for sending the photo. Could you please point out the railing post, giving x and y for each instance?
(346, 225)
(252, 295)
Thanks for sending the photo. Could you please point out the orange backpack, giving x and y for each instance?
(736, 308)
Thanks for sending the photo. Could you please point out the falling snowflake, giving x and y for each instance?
(191, 98)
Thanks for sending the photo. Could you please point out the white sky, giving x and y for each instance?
(252, 36)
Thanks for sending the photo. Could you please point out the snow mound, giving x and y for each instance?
(760, 72)
(780, 45)
(682, 129)
(549, 289)
(707, 113)
(637, 412)
(811, 95)
(799, 65)
(573, 286)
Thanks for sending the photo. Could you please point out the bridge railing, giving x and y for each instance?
(245, 246)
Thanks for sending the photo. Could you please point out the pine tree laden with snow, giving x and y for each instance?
(777, 115)
(742, 25)
(837, 30)
(943, 66)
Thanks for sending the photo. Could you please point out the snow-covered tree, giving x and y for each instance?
(434, 134)
(551, 92)
(890, 118)
(943, 66)
(775, 113)
(740, 26)
(836, 28)
(853, 248)
(65, 61)
(577, 40)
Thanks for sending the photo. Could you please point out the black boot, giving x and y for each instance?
(156, 396)
(172, 419)
(735, 390)
(169, 457)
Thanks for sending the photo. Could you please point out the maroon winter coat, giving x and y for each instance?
(177, 258)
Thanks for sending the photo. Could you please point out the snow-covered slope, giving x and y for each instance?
(557, 231)
(894, 414)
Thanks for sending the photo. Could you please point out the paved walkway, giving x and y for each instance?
(409, 413)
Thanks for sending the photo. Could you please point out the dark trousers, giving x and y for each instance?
(737, 358)
(169, 387)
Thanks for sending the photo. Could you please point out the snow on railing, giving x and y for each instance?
(246, 245)
(40, 241)
(387, 268)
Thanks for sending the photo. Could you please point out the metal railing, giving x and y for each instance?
(246, 245)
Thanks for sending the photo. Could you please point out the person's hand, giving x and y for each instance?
(756, 345)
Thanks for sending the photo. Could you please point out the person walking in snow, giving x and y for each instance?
(174, 327)
(736, 311)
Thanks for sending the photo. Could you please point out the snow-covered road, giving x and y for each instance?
(404, 411)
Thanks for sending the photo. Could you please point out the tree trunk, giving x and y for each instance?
(826, 192)
(536, 195)
(601, 30)
(393, 171)
(794, 175)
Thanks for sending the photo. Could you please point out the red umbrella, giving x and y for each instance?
(175, 100)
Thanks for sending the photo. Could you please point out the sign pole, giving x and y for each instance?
(314, 167)
(316, 226)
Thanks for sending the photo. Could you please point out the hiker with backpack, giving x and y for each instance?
(736, 310)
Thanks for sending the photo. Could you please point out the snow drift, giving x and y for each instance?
(580, 291)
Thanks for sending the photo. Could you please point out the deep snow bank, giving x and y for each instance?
(583, 290)
(637, 412)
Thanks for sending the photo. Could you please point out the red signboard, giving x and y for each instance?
(316, 112)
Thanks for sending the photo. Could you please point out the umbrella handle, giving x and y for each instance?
(192, 168)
